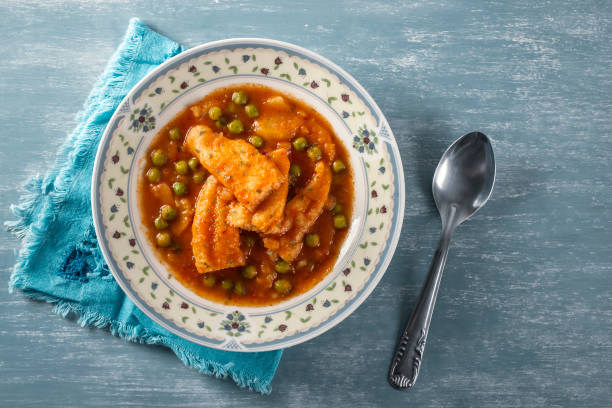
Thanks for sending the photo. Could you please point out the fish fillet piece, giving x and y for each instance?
(276, 121)
(269, 214)
(303, 211)
(240, 217)
(215, 243)
(236, 164)
(271, 243)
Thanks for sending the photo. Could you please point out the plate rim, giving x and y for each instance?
(394, 153)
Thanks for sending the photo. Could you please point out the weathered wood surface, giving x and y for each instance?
(524, 316)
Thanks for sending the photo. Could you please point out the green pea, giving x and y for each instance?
(221, 122)
(312, 240)
(251, 111)
(175, 134)
(198, 177)
(239, 288)
(282, 286)
(227, 284)
(214, 113)
(249, 271)
(239, 97)
(181, 167)
(154, 175)
(179, 188)
(337, 209)
(232, 108)
(163, 239)
(160, 223)
(340, 221)
(159, 157)
(338, 166)
(300, 144)
(209, 280)
(193, 163)
(235, 126)
(248, 240)
(256, 141)
(314, 152)
(295, 170)
(282, 267)
(167, 212)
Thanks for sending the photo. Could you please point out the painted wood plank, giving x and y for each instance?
(524, 316)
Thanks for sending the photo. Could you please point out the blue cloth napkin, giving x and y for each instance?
(60, 260)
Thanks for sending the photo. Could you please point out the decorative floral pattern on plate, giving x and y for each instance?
(235, 324)
(142, 119)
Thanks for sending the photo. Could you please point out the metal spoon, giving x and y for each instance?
(462, 184)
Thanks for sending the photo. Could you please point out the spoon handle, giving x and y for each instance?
(409, 352)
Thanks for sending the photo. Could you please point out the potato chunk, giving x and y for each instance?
(163, 193)
(319, 135)
(269, 214)
(185, 215)
(265, 267)
(216, 244)
(303, 211)
(277, 102)
(276, 121)
(236, 164)
(201, 109)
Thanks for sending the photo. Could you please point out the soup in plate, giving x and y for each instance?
(247, 196)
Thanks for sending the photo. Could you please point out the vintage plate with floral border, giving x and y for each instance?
(357, 120)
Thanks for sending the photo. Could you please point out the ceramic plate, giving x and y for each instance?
(358, 122)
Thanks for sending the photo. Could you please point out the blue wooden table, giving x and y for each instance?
(524, 315)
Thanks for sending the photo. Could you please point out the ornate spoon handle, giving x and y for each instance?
(409, 352)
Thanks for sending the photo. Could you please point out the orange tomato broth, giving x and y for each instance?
(312, 264)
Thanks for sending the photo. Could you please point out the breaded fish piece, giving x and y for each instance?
(276, 121)
(303, 211)
(269, 214)
(215, 243)
(236, 164)
(240, 217)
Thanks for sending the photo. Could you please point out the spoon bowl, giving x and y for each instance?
(465, 176)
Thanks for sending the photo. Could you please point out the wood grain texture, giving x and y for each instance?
(524, 314)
